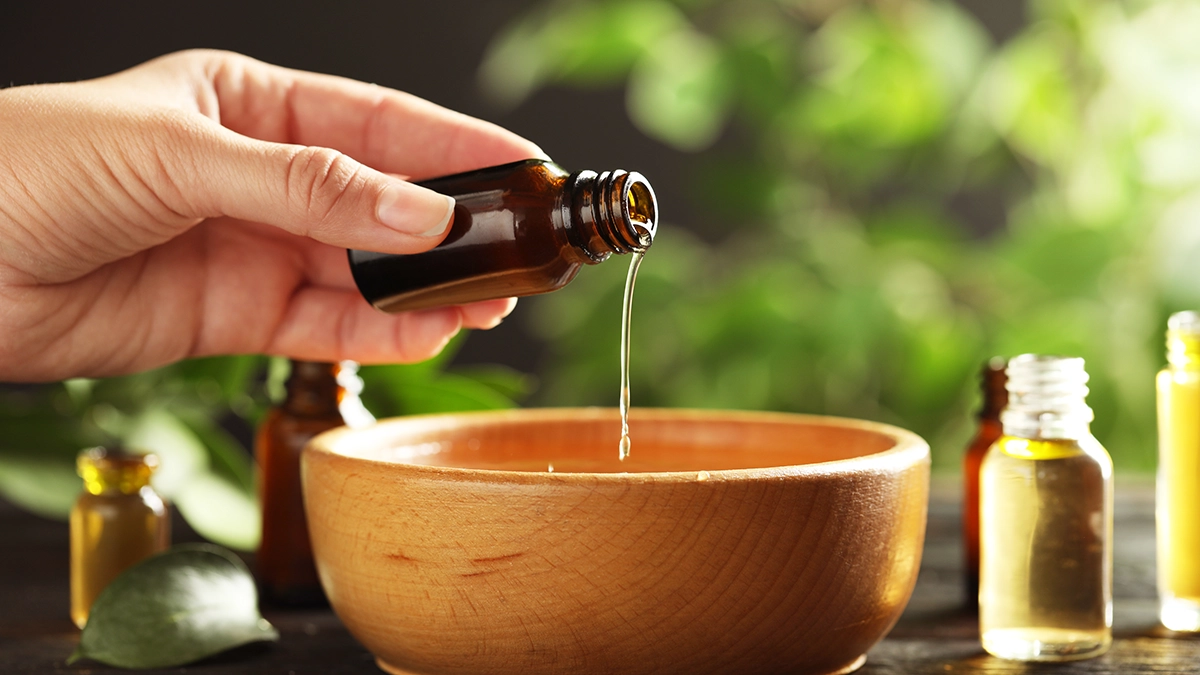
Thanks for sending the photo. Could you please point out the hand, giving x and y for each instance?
(201, 203)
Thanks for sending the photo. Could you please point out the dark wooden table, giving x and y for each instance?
(935, 635)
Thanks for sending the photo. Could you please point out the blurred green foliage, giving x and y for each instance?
(868, 144)
(185, 413)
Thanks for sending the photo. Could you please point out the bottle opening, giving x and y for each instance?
(641, 205)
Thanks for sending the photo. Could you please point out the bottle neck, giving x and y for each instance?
(1183, 341)
(312, 389)
(611, 212)
(114, 471)
(1046, 398)
(995, 393)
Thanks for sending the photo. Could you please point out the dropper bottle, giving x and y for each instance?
(519, 229)
(1045, 589)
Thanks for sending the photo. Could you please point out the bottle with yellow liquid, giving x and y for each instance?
(118, 521)
(1045, 591)
(1178, 503)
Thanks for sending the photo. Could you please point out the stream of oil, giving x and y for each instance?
(626, 313)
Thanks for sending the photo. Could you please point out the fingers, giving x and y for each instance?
(487, 314)
(314, 192)
(328, 324)
(382, 128)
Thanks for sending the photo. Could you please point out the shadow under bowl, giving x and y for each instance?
(728, 542)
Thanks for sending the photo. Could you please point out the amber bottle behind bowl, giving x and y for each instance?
(995, 397)
(519, 229)
(320, 396)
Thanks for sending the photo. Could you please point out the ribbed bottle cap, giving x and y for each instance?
(1046, 397)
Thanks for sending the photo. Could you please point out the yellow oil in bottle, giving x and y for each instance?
(1178, 503)
(1046, 523)
(117, 521)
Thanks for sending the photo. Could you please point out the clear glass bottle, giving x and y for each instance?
(995, 397)
(320, 396)
(117, 521)
(519, 229)
(1046, 495)
(1178, 503)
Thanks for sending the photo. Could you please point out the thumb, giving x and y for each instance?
(323, 194)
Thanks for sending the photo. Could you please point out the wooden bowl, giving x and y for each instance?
(729, 542)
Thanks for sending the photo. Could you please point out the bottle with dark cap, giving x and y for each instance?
(519, 229)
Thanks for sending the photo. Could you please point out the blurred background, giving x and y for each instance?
(862, 202)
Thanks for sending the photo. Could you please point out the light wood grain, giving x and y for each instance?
(798, 564)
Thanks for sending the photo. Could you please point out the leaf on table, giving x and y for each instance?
(189, 603)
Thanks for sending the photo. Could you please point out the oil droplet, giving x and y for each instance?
(549, 468)
(623, 450)
(703, 475)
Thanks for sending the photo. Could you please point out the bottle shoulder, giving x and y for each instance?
(1042, 449)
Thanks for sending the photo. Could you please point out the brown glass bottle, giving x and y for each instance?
(284, 562)
(519, 229)
(995, 397)
(118, 521)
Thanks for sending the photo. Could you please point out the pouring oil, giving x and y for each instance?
(1046, 521)
(626, 315)
(1178, 481)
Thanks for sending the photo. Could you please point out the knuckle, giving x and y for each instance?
(318, 179)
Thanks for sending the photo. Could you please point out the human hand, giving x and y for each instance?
(200, 204)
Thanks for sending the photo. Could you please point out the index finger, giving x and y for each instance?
(383, 128)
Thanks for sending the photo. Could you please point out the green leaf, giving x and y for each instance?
(159, 431)
(46, 486)
(679, 91)
(189, 603)
(507, 382)
(221, 511)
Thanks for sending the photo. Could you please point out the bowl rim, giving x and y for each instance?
(909, 448)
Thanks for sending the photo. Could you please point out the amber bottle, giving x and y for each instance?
(995, 397)
(118, 521)
(320, 396)
(519, 229)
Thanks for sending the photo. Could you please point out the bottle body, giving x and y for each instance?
(994, 399)
(1178, 483)
(1046, 521)
(114, 524)
(1047, 557)
(519, 229)
(284, 564)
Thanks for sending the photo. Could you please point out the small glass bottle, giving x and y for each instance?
(995, 397)
(1178, 502)
(118, 521)
(1045, 590)
(320, 396)
(519, 229)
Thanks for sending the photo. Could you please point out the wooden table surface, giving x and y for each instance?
(935, 635)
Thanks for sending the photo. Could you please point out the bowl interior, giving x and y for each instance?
(585, 441)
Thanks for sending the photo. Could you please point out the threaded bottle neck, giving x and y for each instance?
(1183, 340)
(612, 212)
(1046, 398)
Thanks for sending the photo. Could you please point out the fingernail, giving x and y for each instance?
(411, 209)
